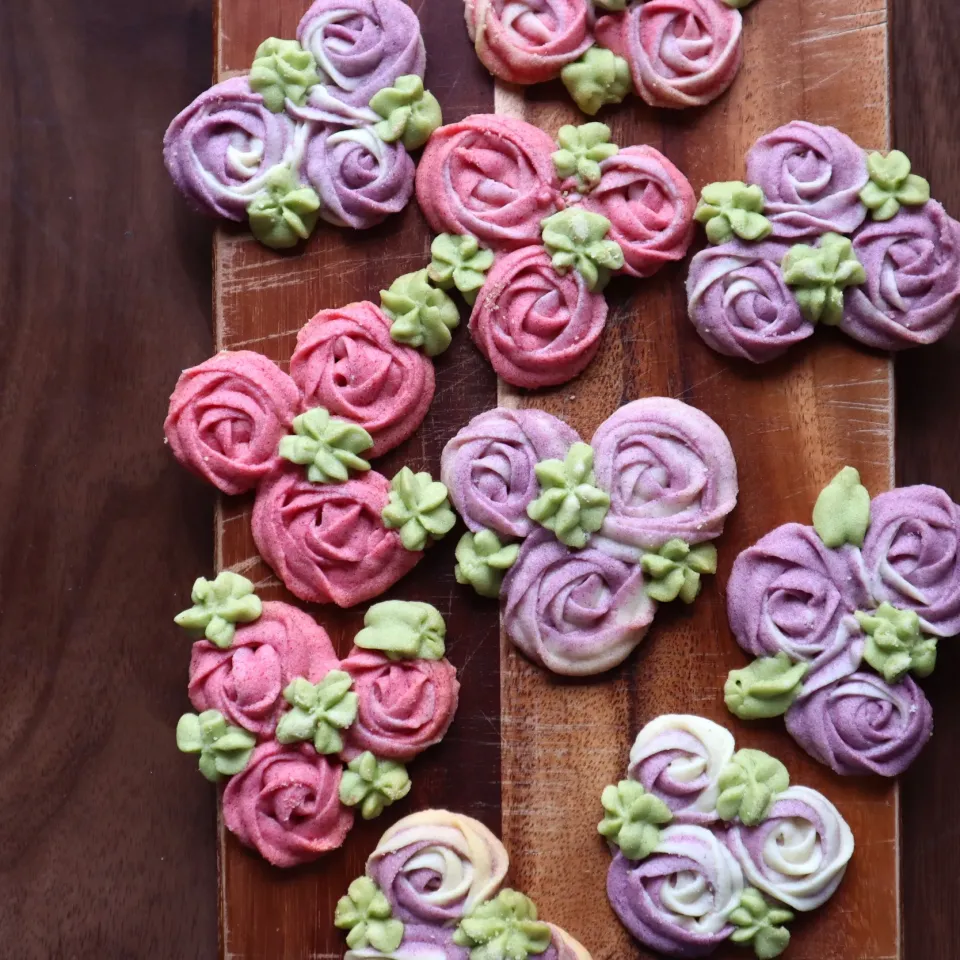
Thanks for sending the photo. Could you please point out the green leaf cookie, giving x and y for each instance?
(748, 785)
(575, 239)
(366, 914)
(422, 315)
(327, 447)
(632, 818)
(675, 570)
(218, 606)
(482, 561)
(373, 784)
(224, 749)
(318, 711)
(418, 506)
(819, 275)
(764, 689)
(403, 630)
(409, 112)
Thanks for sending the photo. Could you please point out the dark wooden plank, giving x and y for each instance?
(106, 835)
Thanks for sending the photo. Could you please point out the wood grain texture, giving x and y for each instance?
(792, 424)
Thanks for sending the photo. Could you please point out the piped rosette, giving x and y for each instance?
(331, 528)
(842, 616)
(712, 844)
(303, 739)
(608, 530)
(321, 128)
(531, 231)
(822, 232)
(672, 53)
(433, 888)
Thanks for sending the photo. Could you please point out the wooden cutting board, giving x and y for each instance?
(529, 754)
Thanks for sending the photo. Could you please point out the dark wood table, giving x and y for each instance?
(106, 835)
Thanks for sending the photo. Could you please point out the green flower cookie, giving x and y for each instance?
(422, 315)
(819, 275)
(761, 924)
(403, 630)
(218, 606)
(632, 818)
(748, 785)
(319, 711)
(482, 560)
(731, 208)
(282, 70)
(895, 644)
(365, 912)
(576, 239)
(570, 504)
(409, 112)
(327, 447)
(841, 514)
(419, 508)
(224, 749)
(505, 928)
(892, 184)
(599, 77)
(675, 570)
(286, 213)
(373, 784)
(459, 261)
(582, 150)
(766, 688)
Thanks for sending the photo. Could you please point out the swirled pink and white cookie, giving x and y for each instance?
(677, 53)
(713, 844)
(303, 738)
(609, 530)
(433, 888)
(842, 616)
(823, 232)
(321, 128)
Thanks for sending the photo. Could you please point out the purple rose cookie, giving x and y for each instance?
(840, 615)
(711, 844)
(610, 529)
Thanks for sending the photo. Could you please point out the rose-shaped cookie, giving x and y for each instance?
(859, 724)
(347, 362)
(327, 542)
(529, 41)
(489, 176)
(912, 554)
(811, 177)
(404, 706)
(436, 867)
(912, 293)
(670, 473)
(286, 804)
(488, 467)
(649, 204)
(679, 899)
(682, 53)
(360, 179)
(679, 758)
(537, 328)
(245, 681)
(789, 593)
(739, 303)
(362, 46)
(220, 148)
(800, 852)
(227, 416)
(575, 613)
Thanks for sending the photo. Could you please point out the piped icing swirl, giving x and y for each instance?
(226, 418)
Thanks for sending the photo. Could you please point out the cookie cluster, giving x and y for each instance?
(531, 231)
(321, 128)
(823, 232)
(433, 890)
(608, 530)
(673, 53)
(841, 616)
(303, 738)
(332, 529)
(713, 844)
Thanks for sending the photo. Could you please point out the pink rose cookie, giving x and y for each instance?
(281, 716)
(822, 232)
(321, 127)
(227, 416)
(712, 844)
(612, 529)
(437, 878)
(840, 614)
(347, 362)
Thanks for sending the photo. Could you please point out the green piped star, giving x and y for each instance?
(318, 711)
(282, 70)
(582, 150)
(505, 928)
(675, 570)
(632, 818)
(459, 261)
(892, 184)
(599, 77)
(366, 914)
(418, 506)
(482, 560)
(895, 643)
(422, 315)
(224, 749)
(819, 275)
(286, 212)
(576, 239)
(731, 208)
(218, 606)
(761, 924)
(327, 447)
(373, 784)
